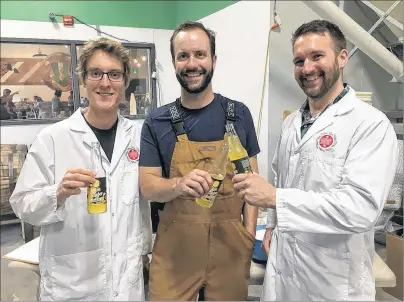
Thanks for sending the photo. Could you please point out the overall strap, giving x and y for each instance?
(230, 112)
(177, 122)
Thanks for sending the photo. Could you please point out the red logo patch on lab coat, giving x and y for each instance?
(326, 141)
(133, 154)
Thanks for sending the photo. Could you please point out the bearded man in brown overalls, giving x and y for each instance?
(196, 247)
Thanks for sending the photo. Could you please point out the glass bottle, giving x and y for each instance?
(217, 171)
(237, 153)
(97, 192)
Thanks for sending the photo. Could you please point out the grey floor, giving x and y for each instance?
(21, 284)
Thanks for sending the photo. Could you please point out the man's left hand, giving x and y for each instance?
(254, 189)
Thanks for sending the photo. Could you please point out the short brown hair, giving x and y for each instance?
(109, 46)
(321, 27)
(187, 25)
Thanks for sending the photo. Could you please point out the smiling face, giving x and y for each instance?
(317, 65)
(193, 62)
(105, 93)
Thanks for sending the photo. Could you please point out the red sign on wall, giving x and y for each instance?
(68, 20)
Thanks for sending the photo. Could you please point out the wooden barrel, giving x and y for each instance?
(11, 160)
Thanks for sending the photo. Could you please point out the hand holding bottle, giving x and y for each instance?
(196, 184)
(72, 181)
(217, 172)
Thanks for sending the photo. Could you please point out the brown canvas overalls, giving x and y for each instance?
(195, 246)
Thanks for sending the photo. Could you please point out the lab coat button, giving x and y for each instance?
(114, 254)
(113, 214)
(115, 294)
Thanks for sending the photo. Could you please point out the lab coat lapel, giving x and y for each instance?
(297, 123)
(323, 121)
(80, 128)
(122, 140)
(346, 104)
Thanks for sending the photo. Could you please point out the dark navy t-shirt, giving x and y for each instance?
(201, 125)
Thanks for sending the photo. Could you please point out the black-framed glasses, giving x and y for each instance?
(97, 75)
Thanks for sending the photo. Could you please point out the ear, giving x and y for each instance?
(343, 58)
(214, 61)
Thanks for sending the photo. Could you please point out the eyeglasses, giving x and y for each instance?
(97, 75)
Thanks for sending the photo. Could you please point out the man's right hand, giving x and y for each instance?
(266, 242)
(196, 183)
(72, 181)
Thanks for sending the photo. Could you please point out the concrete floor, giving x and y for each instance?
(21, 284)
(16, 284)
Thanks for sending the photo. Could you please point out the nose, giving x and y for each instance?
(105, 82)
(308, 67)
(192, 63)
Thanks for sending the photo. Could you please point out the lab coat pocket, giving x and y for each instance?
(134, 260)
(79, 276)
(130, 184)
(320, 272)
(320, 172)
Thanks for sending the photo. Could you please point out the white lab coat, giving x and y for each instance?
(327, 202)
(83, 256)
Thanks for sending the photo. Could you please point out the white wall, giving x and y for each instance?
(16, 134)
(241, 40)
(241, 43)
(47, 30)
(242, 31)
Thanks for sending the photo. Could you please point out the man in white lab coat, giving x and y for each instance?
(86, 256)
(334, 164)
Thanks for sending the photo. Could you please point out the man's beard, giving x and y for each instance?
(205, 83)
(326, 85)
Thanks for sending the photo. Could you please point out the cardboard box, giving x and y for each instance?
(395, 254)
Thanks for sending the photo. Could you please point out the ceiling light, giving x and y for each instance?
(144, 58)
(40, 54)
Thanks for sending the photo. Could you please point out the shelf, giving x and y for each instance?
(399, 128)
(9, 219)
(394, 114)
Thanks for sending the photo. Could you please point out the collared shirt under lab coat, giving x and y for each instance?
(85, 256)
(327, 202)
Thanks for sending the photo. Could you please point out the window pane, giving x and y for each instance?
(138, 94)
(36, 81)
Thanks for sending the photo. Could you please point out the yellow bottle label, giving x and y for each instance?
(207, 200)
(241, 165)
(97, 196)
